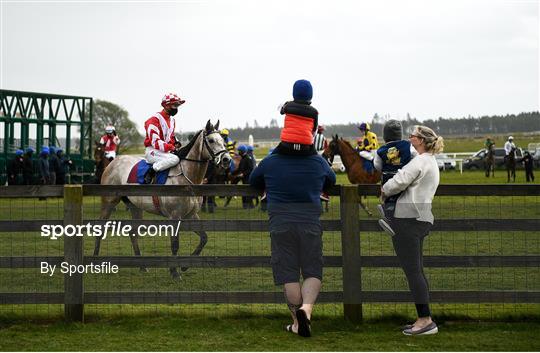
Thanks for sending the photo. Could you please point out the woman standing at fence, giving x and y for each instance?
(412, 221)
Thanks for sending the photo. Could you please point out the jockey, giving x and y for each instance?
(488, 144)
(160, 140)
(508, 146)
(367, 143)
(229, 143)
(319, 141)
(110, 141)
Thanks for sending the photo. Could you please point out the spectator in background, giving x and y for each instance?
(44, 174)
(63, 164)
(15, 168)
(293, 177)
(54, 165)
(528, 163)
(28, 167)
(244, 171)
(319, 141)
(250, 150)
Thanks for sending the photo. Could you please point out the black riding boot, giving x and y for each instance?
(149, 176)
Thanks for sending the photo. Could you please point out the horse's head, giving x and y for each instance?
(215, 146)
(99, 152)
(331, 150)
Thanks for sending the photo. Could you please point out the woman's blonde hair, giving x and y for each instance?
(434, 143)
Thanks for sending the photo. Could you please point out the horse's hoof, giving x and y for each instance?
(143, 269)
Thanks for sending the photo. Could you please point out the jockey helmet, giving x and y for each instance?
(171, 99)
(44, 150)
(242, 148)
(18, 152)
(320, 128)
(58, 151)
(52, 149)
(510, 138)
(250, 148)
(364, 127)
(30, 150)
(109, 129)
(224, 132)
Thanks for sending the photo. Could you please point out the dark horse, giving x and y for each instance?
(490, 161)
(510, 162)
(101, 161)
(353, 164)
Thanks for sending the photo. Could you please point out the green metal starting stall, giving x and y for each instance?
(29, 119)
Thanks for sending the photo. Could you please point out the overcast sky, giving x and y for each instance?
(237, 60)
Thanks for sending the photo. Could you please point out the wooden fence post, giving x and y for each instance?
(350, 250)
(73, 254)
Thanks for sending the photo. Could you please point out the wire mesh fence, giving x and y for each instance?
(482, 259)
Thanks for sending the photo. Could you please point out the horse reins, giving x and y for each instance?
(212, 155)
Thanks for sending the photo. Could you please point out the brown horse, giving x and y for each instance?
(490, 161)
(101, 161)
(510, 162)
(354, 164)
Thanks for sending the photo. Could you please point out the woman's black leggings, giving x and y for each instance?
(408, 242)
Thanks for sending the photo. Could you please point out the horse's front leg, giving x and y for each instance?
(203, 239)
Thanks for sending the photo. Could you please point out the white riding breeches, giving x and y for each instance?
(110, 154)
(160, 160)
(369, 155)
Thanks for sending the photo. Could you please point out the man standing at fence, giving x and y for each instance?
(294, 176)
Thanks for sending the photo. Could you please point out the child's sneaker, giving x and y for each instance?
(324, 197)
(386, 227)
(380, 208)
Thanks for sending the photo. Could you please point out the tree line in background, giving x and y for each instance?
(106, 113)
(470, 126)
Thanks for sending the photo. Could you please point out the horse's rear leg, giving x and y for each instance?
(175, 245)
(203, 239)
(136, 213)
(107, 207)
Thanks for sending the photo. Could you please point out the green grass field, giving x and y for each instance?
(504, 326)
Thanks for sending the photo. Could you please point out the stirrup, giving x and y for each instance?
(149, 177)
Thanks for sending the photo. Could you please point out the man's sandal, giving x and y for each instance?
(289, 328)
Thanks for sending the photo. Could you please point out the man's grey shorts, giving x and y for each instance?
(296, 247)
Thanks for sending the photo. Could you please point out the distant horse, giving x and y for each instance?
(206, 146)
(101, 161)
(354, 164)
(510, 162)
(490, 161)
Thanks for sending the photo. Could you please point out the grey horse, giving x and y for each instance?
(207, 146)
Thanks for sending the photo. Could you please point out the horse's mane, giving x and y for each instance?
(184, 150)
(347, 143)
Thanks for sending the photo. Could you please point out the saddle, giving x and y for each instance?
(139, 170)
